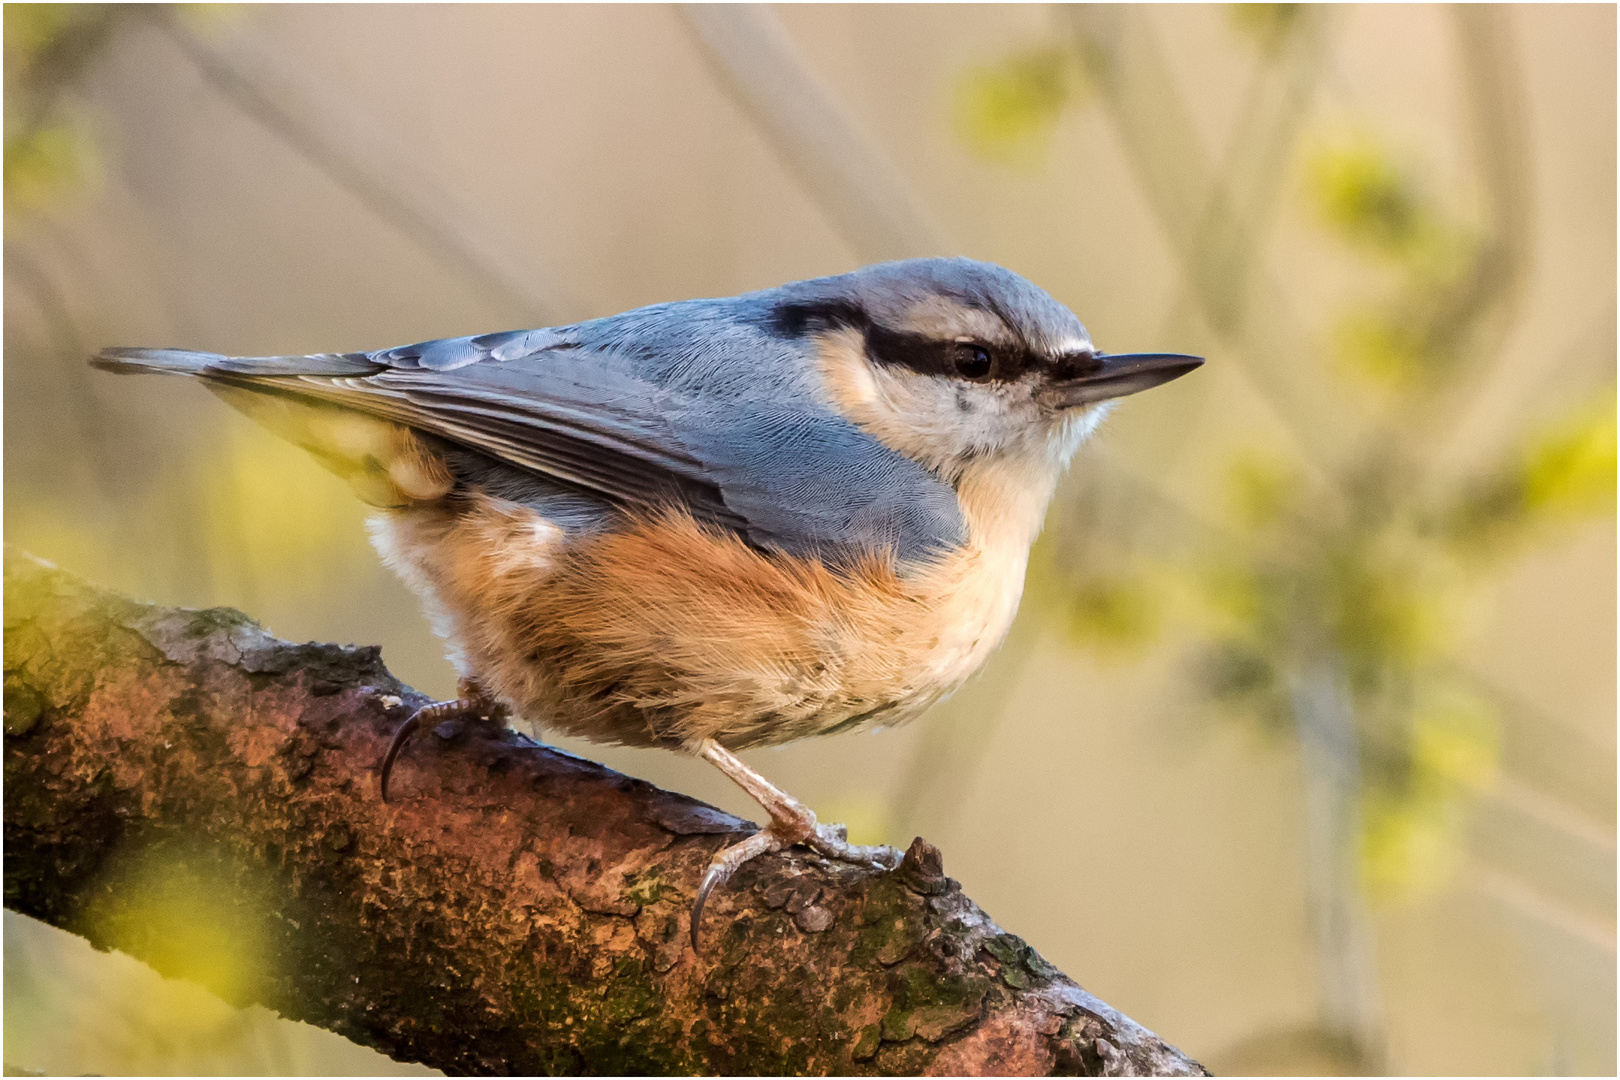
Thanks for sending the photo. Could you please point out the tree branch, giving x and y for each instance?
(176, 778)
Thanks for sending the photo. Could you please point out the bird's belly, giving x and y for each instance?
(663, 632)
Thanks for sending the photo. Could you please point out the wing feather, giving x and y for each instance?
(574, 420)
(682, 404)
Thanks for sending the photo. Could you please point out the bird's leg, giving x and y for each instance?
(472, 701)
(792, 822)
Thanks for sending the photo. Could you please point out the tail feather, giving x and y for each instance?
(385, 462)
(188, 362)
(159, 361)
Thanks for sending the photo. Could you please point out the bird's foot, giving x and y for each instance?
(725, 863)
(791, 823)
(472, 702)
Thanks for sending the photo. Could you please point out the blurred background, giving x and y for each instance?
(1302, 751)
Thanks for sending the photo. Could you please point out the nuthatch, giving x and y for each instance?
(713, 524)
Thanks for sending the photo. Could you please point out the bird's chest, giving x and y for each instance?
(941, 627)
(956, 619)
(662, 632)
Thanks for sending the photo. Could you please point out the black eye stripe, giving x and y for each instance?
(947, 359)
(926, 356)
(901, 348)
(793, 320)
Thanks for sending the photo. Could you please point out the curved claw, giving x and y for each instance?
(714, 876)
(725, 864)
(401, 737)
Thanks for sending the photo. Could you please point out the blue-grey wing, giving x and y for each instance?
(722, 426)
(565, 416)
(811, 483)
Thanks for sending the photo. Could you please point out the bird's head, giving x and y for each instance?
(954, 363)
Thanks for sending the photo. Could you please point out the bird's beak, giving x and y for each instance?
(1101, 377)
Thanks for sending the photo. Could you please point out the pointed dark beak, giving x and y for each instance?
(1100, 377)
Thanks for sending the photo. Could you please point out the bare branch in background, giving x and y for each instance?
(1497, 110)
(66, 344)
(65, 338)
(841, 167)
(1160, 141)
(184, 787)
(1341, 926)
(1241, 203)
(59, 65)
(1244, 197)
(355, 151)
(1544, 750)
(1495, 94)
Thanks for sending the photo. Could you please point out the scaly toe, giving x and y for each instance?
(832, 841)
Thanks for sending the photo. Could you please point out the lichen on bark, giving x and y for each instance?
(184, 787)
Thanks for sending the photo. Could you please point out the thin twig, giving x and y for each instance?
(841, 167)
(1482, 309)
(355, 151)
(1161, 145)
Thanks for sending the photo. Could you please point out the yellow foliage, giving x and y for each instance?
(1569, 468)
(1563, 472)
(1387, 601)
(1410, 846)
(1267, 25)
(1261, 489)
(31, 28)
(1007, 110)
(43, 164)
(1413, 830)
(1236, 595)
(1360, 194)
(1455, 743)
(210, 16)
(1119, 614)
(46, 155)
(1388, 353)
(1408, 341)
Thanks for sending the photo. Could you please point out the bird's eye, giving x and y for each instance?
(972, 361)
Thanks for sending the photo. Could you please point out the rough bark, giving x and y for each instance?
(515, 910)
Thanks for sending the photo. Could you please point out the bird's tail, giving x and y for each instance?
(191, 362)
(386, 463)
(155, 361)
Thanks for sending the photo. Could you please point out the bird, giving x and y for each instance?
(712, 524)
